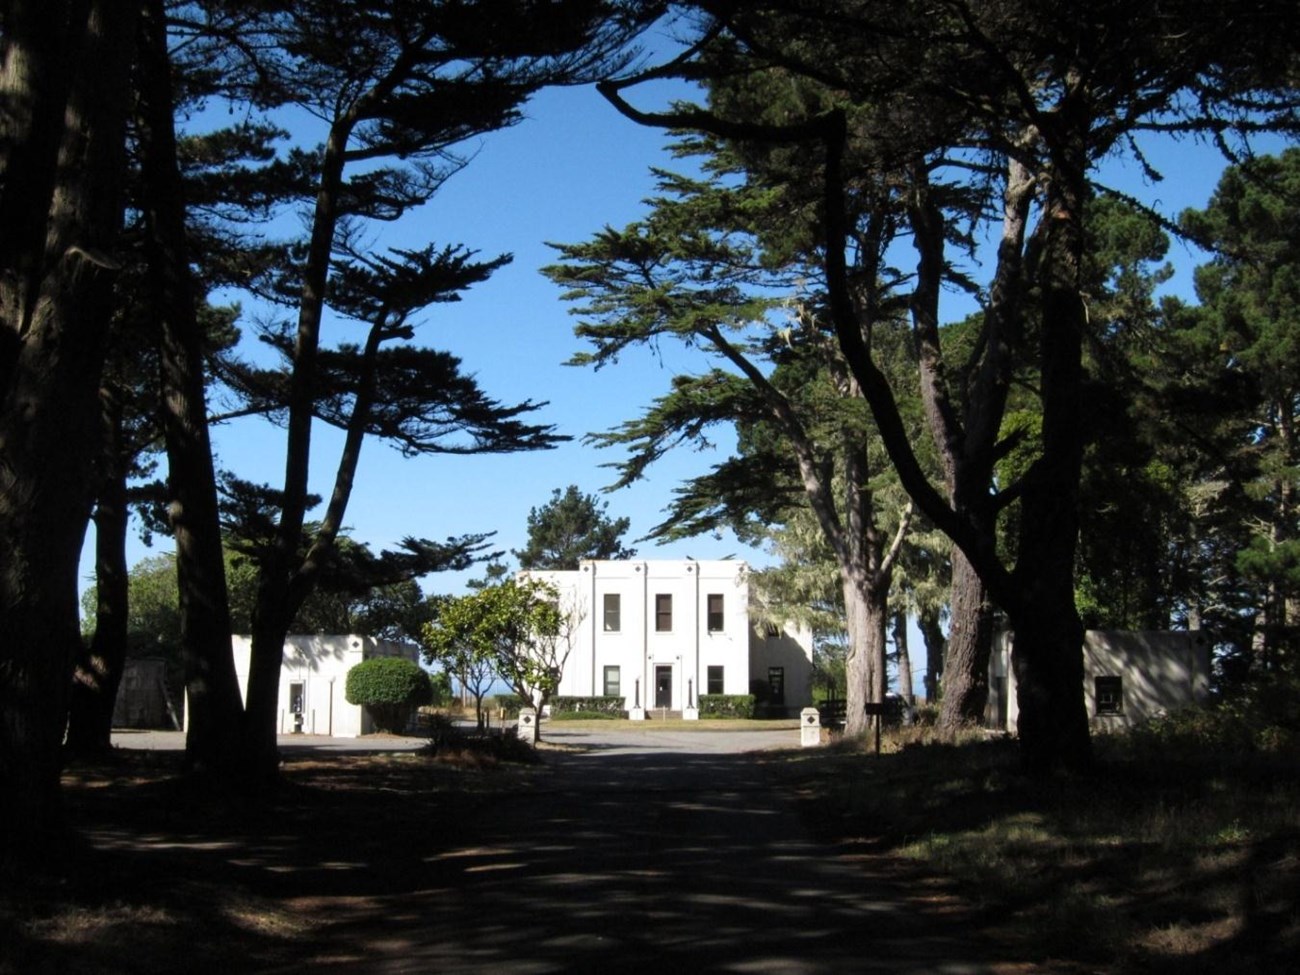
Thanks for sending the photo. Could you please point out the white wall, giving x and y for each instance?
(1159, 671)
(320, 664)
(791, 650)
(637, 648)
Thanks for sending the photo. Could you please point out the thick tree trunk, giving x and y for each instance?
(281, 588)
(1047, 655)
(210, 681)
(99, 669)
(1047, 652)
(935, 650)
(260, 754)
(55, 297)
(904, 657)
(970, 641)
(867, 609)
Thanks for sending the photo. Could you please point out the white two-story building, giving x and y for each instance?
(661, 633)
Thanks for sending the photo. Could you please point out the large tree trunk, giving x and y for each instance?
(867, 610)
(210, 680)
(965, 449)
(260, 750)
(1047, 650)
(281, 586)
(55, 299)
(904, 657)
(970, 641)
(99, 669)
(1047, 655)
(931, 628)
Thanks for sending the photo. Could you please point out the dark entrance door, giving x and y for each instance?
(663, 687)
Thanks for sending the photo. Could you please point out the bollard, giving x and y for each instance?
(527, 727)
(810, 727)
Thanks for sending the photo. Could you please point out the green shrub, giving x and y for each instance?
(583, 716)
(508, 704)
(389, 688)
(600, 706)
(726, 705)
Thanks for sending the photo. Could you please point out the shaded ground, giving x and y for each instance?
(612, 855)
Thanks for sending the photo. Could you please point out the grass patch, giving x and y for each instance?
(164, 873)
(1181, 858)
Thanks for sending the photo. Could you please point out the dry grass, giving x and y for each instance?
(159, 866)
(1175, 860)
(1169, 859)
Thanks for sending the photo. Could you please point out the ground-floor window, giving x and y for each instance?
(715, 680)
(776, 684)
(612, 682)
(1110, 695)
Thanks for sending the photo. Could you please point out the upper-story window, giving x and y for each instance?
(663, 612)
(715, 612)
(613, 612)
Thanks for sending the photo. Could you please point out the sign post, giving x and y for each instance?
(875, 710)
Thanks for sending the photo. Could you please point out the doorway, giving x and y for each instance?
(664, 686)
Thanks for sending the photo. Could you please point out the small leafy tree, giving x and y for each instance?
(470, 661)
(389, 688)
(519, 625)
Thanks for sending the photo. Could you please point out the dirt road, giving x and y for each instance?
(675, 854)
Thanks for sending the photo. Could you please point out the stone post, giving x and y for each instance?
(810, 727)
(527, 727)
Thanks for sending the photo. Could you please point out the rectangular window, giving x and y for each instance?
(715, 680)
(776, 684)
(663, 613)
(613, 613)
(612, 682)
(1110, 695)
(715, 612)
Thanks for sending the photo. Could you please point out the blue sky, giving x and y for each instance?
(573, 166)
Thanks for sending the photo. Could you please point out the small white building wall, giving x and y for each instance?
(320, 663)
(790, 648)
(1160, 671)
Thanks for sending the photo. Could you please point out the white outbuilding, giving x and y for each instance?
(313, 677)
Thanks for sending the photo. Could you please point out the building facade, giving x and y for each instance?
(313, 678)
(661, 633)
(1128, 677)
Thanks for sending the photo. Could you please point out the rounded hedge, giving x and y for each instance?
(389, 688)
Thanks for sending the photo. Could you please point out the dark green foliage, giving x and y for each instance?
(572, 526)
(388, 687)
(585, 716)
(508, 704)
(600, 706)
(1260, 721)
(726, 705)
